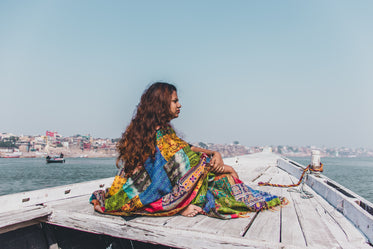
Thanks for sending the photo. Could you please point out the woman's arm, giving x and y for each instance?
(216, 162)
(216, 159)
(230, 170)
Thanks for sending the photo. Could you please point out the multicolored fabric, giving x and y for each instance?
(176, 177)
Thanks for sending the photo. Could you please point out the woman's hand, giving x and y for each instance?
(227, 170)
(217, 163)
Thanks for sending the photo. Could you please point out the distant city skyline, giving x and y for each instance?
(79, 145)
(203, 144)
(261, 73)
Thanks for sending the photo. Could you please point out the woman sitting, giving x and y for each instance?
(162, 175)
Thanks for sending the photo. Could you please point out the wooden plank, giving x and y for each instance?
(196, 223)
(232, 227)
(267, 224)
(347, 236)
(316, 233)
(164, 235)
(265, 176)
(27, 216)
(266, 227)
(236, 227)
(76, 204)
(290, 230)
(249, 167)
(19, 200)
(153, 221)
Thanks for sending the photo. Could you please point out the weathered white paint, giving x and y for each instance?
(22, 217)
(171, 236)
(31, 198)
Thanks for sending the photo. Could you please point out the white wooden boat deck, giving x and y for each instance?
(303, 223)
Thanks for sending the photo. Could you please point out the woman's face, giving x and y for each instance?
(175, 105)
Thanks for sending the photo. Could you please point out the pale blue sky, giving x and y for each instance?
(260, 72)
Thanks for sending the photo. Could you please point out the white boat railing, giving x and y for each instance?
(37, 197)
(354, 207)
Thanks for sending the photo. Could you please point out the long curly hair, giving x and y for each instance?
(138, 141)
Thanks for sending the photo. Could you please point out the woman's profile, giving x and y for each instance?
(162, 175)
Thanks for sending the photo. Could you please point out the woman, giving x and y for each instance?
(162, 175)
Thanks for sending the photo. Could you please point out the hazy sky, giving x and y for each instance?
(259, 72)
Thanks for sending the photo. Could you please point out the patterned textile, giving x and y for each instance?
(176, 177)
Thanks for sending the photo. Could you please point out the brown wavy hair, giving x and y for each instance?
(138, 142)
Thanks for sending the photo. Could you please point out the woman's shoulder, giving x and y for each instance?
(162, 131)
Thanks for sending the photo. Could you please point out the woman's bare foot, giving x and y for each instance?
(191, 211)
(97, 206)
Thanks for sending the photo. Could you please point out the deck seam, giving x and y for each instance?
(244, 231)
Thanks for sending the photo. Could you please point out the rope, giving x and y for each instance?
(304, 194)
(308, 168)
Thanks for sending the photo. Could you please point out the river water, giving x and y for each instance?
(355, 174)
(25, 174)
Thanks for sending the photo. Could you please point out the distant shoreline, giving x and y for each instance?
(67, 154)
(99, 154)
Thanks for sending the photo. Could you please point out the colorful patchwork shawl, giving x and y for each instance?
(176, 177)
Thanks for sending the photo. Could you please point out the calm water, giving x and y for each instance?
(25, 174)
(354, 173)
